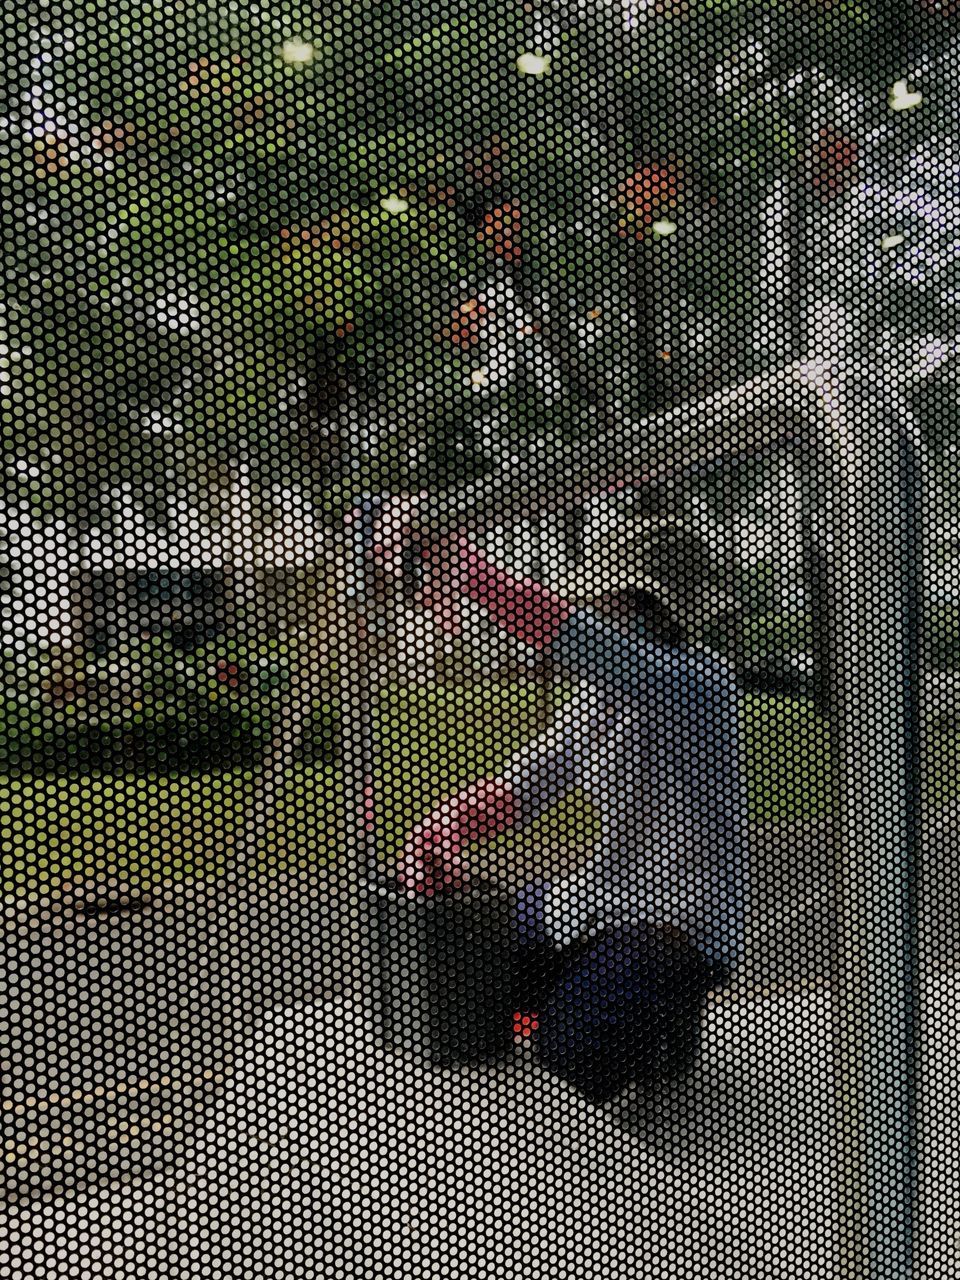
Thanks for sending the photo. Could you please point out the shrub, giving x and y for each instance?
(144, 708)
(50, 743)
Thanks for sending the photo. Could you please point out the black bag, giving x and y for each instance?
(444, 973)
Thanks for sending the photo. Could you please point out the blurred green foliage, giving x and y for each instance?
(238, 220)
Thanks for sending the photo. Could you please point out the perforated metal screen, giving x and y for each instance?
(480, 640)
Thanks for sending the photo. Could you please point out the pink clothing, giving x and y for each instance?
(485, 808)
(432, 862)
(521, 606)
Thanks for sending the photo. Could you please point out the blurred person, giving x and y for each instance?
(616, 960)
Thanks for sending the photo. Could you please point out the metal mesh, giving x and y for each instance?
(479, 640)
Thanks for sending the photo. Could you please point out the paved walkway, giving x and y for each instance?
(325, 1157)
(328, 1158)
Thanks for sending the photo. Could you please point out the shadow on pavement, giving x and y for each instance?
(764, 1084)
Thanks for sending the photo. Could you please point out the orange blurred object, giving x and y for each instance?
(500, 231)
(52, 152)
(645, 196)
(466, 324)
(228, 673)
(834, 163)
(112, 136)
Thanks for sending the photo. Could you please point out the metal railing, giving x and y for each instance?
(851, 436)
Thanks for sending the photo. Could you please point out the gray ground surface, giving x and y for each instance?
(327, 1157)
(319, 1154)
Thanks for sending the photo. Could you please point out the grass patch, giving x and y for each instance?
(436, 739)
(787, 759)
(148, 830)
(941, 774)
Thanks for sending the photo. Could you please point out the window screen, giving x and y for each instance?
(479, 637)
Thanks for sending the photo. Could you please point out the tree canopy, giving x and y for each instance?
(238, 232)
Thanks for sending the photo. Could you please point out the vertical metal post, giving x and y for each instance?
(360, 691)
(542, 671)
(867, 619)
(867, 534)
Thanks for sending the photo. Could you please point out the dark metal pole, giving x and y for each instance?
(868, 532)
(360, 691)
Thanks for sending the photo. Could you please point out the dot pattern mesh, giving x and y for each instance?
(480, 639)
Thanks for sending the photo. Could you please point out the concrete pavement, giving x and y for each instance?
(326, 1156)
(323, 1155)
(319, 1154)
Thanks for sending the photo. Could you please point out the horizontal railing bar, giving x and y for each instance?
(739, 423)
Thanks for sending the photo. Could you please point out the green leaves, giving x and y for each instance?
(237, 191)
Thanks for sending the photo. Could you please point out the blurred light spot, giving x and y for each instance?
(891, 242)
(664, 227)
(533, 64)
(903, 98)
(479, 377)
(394, 204)
(297, 53)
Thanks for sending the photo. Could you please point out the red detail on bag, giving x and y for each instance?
(525, 1025)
